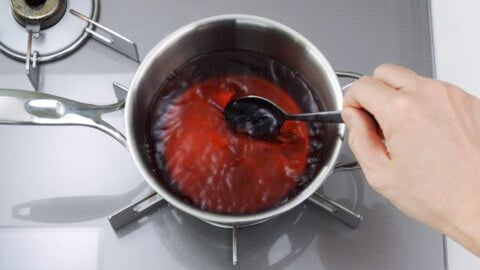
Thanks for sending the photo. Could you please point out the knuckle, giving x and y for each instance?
(363, 81)
(402, 104)
(403, 112)
(360, 84)
(366, 80)
(354, 87)
(357, 88)
(381, 69)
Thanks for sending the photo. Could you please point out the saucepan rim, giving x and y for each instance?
(135, 150)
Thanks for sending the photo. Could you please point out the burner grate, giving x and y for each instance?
(152, 202)
(51, 35)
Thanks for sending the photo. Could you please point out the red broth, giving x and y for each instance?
(201, 159)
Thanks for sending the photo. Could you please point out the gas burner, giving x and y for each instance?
(53, 33)
(45, 13)
(152, 201)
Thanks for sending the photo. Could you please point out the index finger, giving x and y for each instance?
(396, 76)
(371, 95)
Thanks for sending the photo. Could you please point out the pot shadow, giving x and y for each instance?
(74, 209)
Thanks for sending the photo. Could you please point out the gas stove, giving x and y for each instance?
(59, 185)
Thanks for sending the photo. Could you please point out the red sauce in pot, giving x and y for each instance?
(203, 160)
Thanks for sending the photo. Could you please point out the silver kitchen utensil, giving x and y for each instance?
(262, 118)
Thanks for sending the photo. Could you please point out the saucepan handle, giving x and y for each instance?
(348, 75)
(353, 164)
(19, 107)
(334, 209)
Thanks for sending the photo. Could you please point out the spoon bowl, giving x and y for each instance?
(261, 118)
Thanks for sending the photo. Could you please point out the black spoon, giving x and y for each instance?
(261, 118)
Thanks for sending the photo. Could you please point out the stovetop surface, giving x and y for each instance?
(58, 184)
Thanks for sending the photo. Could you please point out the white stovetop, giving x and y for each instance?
(456, 42)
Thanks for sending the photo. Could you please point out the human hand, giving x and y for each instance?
(418, 143)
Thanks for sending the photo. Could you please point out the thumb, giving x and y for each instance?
(366, 144)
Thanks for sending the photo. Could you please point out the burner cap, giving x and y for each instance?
(59, 40)
(35, 3)
(43, 12)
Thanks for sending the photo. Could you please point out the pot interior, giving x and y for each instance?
(234, 32)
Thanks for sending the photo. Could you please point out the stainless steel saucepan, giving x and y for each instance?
(226, 32)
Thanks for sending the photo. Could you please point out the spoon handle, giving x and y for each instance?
(327, 117)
